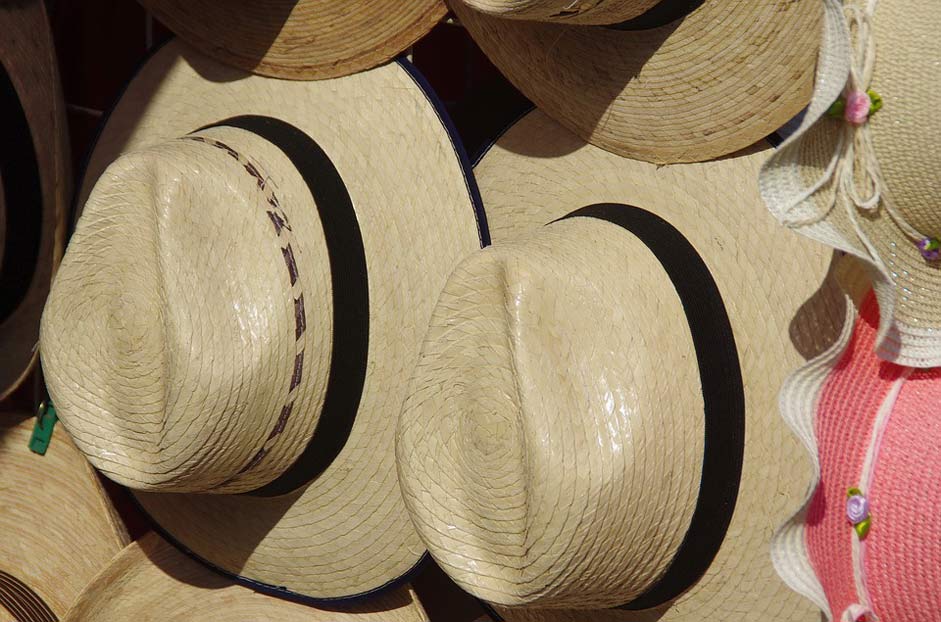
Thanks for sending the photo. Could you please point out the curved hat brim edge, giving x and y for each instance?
(483, 234)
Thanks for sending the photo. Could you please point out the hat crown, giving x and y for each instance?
(587, 12)
(550, 450)
(906, 75)
(175, 294)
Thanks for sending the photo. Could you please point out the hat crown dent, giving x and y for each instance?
(587, 12)
(192, 337)
(550, 450)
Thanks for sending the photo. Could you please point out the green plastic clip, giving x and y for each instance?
(42, 432)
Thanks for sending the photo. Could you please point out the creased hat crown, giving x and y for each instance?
(172, 335)
(550, 450)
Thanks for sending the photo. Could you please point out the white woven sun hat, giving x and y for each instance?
(35, 182)
(242, 302)
(591, 432)
(58, 528)
(151, 580)
(861, 173)
(300, 39)
(668, 81)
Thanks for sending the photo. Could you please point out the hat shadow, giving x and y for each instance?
(212, 70)
(382, 600)
(265, 28)
(594, 110)
(818, 322)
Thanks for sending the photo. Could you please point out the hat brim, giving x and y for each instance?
(36, 157)
(152, 580)
(346, 533)
(300, 40)
(33, 523)
(716, 81)
(782, 306)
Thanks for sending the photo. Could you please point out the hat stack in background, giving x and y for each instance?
(59, 527)
(344, 375)
(35, 181)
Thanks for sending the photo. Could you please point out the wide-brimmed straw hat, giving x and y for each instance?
(867, 544)
(677, 82)
(34, 182)
(58, 528)
(300, 39)
(861, 174)
(242, 303)
(593, 423)
(152, 580)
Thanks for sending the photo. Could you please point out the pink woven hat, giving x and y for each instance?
(861, 174)
(867, 544)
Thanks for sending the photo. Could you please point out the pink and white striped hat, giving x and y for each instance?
(867, 543)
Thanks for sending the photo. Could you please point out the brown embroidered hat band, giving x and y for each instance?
(249, 280)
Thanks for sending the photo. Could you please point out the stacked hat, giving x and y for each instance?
(591, 432)
(241, 303)
(662, 81)
(58, 528)
(34, 183)
(300, 39)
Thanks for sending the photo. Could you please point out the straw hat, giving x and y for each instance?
(240, 304)
(300, 39)
(686, 81)
(57, 526)
(870, 187)
(34, 182)
(595, 393)
(867, 544)
(152, 580)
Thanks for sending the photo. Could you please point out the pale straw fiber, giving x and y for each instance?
(174, 341)
(551, 445)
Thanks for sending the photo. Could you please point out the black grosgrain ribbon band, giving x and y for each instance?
(723, 395)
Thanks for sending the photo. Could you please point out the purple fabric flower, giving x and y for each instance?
(930, 248)
(857, 509)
